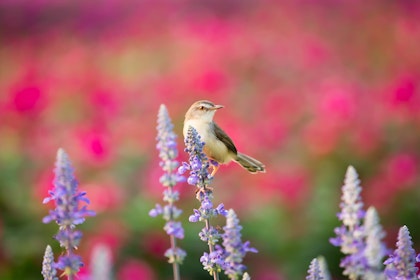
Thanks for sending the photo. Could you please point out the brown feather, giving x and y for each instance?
(250, 163)
(222, 136)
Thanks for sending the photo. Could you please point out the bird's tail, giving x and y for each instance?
(250, 164)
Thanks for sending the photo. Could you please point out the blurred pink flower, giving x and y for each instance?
(104, 197)
(334, 114)
(401, 169)
(270, 133)
(84, 272)
(316, 52)
(135, 269)
(95, 144)
(379, 192)
(365, 139)
(103, 102)
(210, 30)
(27, 96)
(209, 81)
(290, 183)
(277, 108)
(337, 104)
(403, 98)
(321, 138)
(403, 92)
(27, 99)
(397, 173)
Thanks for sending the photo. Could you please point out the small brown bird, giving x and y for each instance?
(218, 145)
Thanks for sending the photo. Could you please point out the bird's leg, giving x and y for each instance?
(215, 166)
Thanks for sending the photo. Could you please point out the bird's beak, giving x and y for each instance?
(217, 107)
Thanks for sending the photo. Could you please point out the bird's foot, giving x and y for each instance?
(215, 166)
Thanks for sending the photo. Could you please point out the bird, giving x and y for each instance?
(218, 146)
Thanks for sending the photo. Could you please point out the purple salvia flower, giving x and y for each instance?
(375, 250)
(206, 210)
(401, 264)
(198, 162)
(69, 263)
(235, 250)
(323, 268)
(175, 229)
(158, 210)
(195, 217)
(199, 176)
(48, 270)
(176, 255)
(350, 236)
(314, 271)
(213, 262)
(168, 152)
(67, 214)
(210, 235)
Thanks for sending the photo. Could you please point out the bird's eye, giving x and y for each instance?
(201, 107)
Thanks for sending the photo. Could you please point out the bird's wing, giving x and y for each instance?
(222, 136)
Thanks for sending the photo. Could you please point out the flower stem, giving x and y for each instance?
(211, 249)
(69, 253)
(175, 265)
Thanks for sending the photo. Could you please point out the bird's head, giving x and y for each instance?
(202, 110)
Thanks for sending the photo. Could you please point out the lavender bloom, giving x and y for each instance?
(206, 210)
(213, 262)
(198, 162)
(235, 250)
(175, 229)
(350, 236)
(375, 250)
(166, 144)
(323, 267)
(199, 176)
(48, 270)
(314, 271)
(401, 264)
(168, 152)
(175, 255)
(67, 213)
